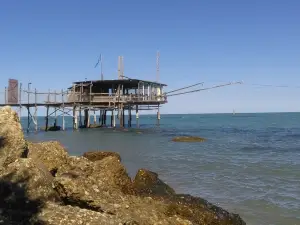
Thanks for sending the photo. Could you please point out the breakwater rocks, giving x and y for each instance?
(41, 184)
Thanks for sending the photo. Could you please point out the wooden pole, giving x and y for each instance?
(35, 112)
(28, 109)
(55, 116)
(105, 111)
(137, 116)
(123, 114)
(20, 102)
(95, 117)
(129, 116)
(47, 118)
(5, 95)
(114, 118)
(47, 113)
(111, 118)
(158, 116)
(63, 108)
(74, 117)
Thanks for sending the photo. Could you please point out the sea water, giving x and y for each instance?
(250, 163)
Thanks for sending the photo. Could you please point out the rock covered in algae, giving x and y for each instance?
(51, 153)
(99, 155)
(12, 143)
(31, 175)
(188, 139)
(147, 182)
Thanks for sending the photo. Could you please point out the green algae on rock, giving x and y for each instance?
(99, 155)
(147, 183)
(188, 139)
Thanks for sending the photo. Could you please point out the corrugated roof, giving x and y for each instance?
(123, 81)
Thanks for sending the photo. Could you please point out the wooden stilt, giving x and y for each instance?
(20, 102)
(74, 117)
(129, 116)
(104, 117)
(80, 118)
(112, 118)
(123, 115)
(55, 116)
(63, 110)
(35, 111)
(137, 116)
(86, 118)
(158, 116)
(47, 118)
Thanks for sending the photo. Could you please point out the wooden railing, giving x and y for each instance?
(99, 98)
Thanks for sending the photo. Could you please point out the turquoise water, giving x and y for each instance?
(250, 163)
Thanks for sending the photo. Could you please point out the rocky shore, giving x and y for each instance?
(41, 184)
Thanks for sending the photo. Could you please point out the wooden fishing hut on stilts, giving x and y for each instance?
(114, 97)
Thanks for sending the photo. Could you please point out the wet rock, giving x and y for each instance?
(83, 180)
(12, 143)
(188, 139)
(52, 154)
(54, 128)
(200, 211)
(147, 182)
(99, 155)
(33, 177)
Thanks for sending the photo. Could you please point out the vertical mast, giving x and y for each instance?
(157, 66)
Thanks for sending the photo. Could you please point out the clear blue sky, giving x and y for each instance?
(52, 43)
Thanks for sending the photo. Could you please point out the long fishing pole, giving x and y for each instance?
(184, 88)
(203, 89)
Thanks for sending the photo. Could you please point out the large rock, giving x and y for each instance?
(12, 143)
(97, 155)
(82, 180)
(194, 209)
(32, 177)
(52, 154)
(147, 183)
(200, 211)
(188, 139)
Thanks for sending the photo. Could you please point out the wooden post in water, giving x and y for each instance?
(5, 95)
(158, 116)
(105, 111)
(63, 110)
(137, 116)
(86, 118)
(35, 112)
(123, 115)
(129, 116)
(55, 116)
(114, 118)
(74, 118)
(111, 118)
(95, 117)
(20, 102)
(28, 108)
(47, 113)
(47, 118)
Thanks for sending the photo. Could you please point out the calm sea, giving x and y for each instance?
(250, 163)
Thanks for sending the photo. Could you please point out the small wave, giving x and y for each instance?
(256, 148)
